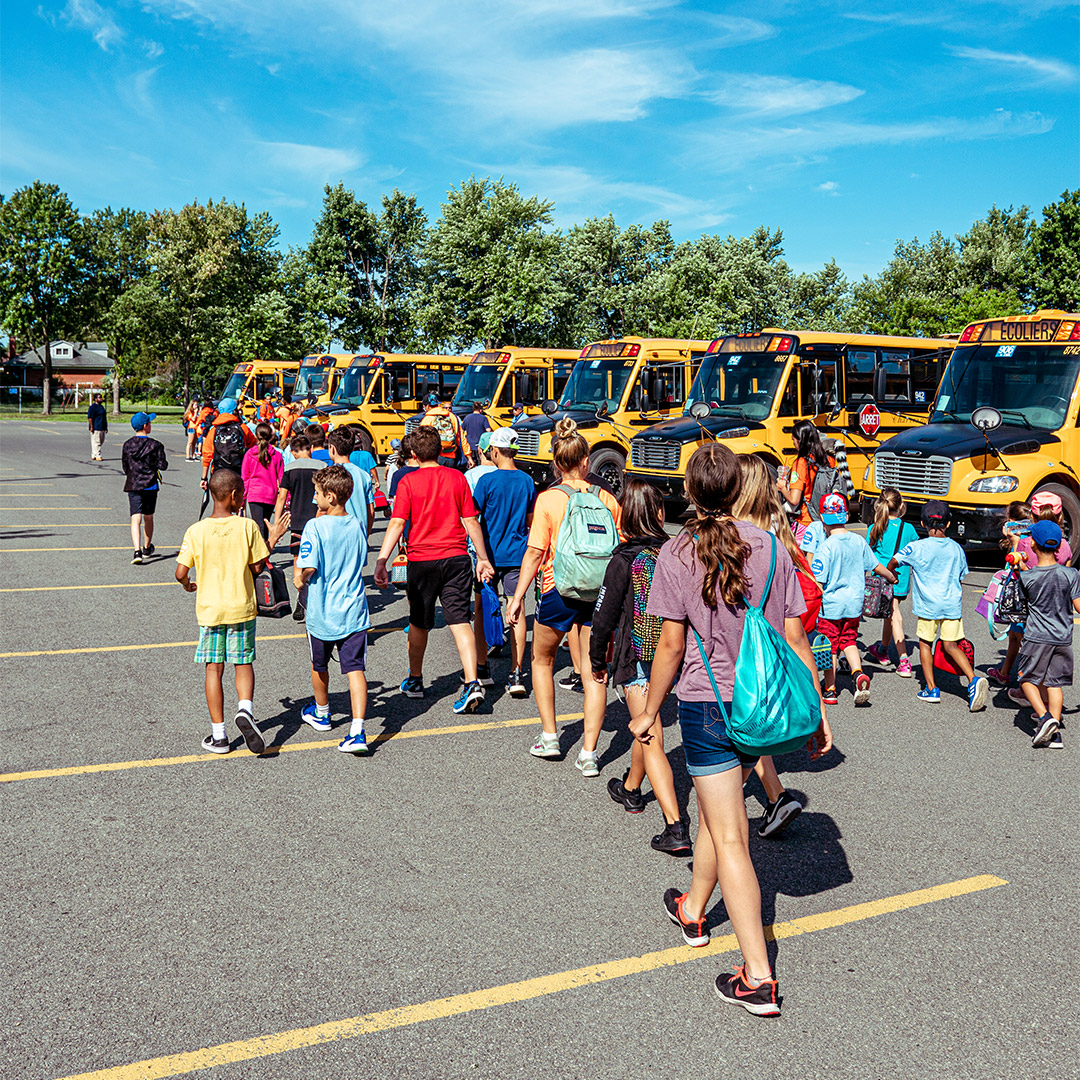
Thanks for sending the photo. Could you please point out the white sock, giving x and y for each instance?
(549, 737)
(217, 731)
(357, 726)
(246, 704)
(587, 754)
(322, 711)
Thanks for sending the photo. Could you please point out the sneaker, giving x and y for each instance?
(1047, 729)
(250, 730)
(148, 551)
(299, 612)
(413, 686)
(136, 558)
(546, 747)
(878, 654)
(760, 1000)
(588, 764)
(829, 696)
(694, 931)
(632, 800)
(933, 697)
(842, 665)
(483, 675)
(779, 815)
(1017, 695)
(216, 746)
(495, 651)
(515, 685)
(353, 744)
(572, 681)
(1055, 743)
(996, 677)
(862, 689)
(903, 668)
(470, 699)
(312, 718)
(977, 694)
(675, 839)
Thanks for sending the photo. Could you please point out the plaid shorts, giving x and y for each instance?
(230, 643)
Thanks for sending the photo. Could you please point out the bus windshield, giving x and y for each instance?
(594, 383)
(235, 386)
(312, 381)
(353, 387)
(734, 384)
(479, 383)
(1029, 385)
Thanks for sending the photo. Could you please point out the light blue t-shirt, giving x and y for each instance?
(363, 493)
(336, 545)
(363, 460)
(812, 538)
(840, 565)
(473, 475)
(938, 566)
(887, 547)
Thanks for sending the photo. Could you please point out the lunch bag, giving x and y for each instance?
(272, 593)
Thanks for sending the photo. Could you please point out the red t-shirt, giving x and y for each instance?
(433, 501)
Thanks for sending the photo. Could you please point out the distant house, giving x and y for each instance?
(73, 363)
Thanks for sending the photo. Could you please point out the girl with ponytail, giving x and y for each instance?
(261, 470)
(889, 534)
(704, 579)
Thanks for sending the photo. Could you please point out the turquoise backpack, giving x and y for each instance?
(776, 706)
(583, 546)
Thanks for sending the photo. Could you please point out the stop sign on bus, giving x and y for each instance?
(869, 420)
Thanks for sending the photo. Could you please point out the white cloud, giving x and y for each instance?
(830, 187)
(898, 18)
(315, 163)
(91, 16)
(1046, 70)
(731, 30)
(153, 49)
(775, 95)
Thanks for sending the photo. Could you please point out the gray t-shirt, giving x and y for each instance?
(1050, 591)
(676, 594)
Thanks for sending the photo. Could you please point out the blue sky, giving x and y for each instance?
(847, 125)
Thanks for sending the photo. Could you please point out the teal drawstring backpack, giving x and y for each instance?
(776, 707)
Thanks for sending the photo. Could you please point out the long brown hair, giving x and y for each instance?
(890, 503)
(642, 510)
(713, 484)
(759, 503)
(263, 434)
(568, 446)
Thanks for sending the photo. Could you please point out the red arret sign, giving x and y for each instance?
(869, 420)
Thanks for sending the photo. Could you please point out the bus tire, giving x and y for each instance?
(366, 442)
(769, 464)
(609, 464)
(1070, 509)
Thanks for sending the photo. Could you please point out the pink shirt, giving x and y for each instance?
(261, 482)
(1026, 546)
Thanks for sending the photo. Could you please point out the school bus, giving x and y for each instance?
(1004, 425)
(380, 391)
(752, 388)
(319, 376)
(616, 388)
(250, 383)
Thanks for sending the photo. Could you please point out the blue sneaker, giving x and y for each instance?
(931, 696)
(413, 686)
(470, 699)
(353, 744)
(312, 719)
(977, 691)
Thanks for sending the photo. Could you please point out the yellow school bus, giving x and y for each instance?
(750, 390)
(379, 391)
(251, 383)
(318, 377)
(1004, 425)
(616, 389)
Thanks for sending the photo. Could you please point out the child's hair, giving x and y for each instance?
(316, 436)
(263, 434)
(335, 480)
(406, 450)
(759, 503)
(341, 441)
(223, 482)
(568, 446)
(299, 444)
(808, 444)
(426, 444)
(642, 509)
(713, 483)
(890, 503)
(1017, 510)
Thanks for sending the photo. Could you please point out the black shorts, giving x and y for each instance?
(142, 502)
(449, 581)
(352, 652)
(508, 577)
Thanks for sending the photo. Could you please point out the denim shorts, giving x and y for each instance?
(705, 740)
(641, 675)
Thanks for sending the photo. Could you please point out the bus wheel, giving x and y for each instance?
(1070, 508)
(609, 465)
(769, 464)
(365, 441)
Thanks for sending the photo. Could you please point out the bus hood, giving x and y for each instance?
(956, 441)
(325, 410)
(685, 429)
(585, 419)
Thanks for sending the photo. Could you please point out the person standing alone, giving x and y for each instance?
(99, 427)
(144, 460)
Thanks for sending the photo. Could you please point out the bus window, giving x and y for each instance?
(861, 366)
(530, 386)
(897, 368)
(265, 385)
(662, 387)
(818, 394)
(560, 375)
(925, 373)
(789, 400)
(288, 381)
(401, 382)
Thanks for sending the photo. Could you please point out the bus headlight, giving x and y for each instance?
(995, 485)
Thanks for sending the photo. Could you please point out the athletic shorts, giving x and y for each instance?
(840, 632)
(448, 581)
(705, 739)
(1045, 665)
(508, 577)
(946, 629)
(230, 643)
(352, 652)
(558, 614)
(142, 502)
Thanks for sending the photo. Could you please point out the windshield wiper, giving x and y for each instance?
(952, 414)
(738, 409)
(1017, 412)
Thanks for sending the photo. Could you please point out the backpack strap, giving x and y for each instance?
(712, 678)
(768, 581)
(565, 487)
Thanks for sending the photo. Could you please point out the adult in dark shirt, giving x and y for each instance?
(474, 425)
(298, 485)
(99, 425)
(143, 460)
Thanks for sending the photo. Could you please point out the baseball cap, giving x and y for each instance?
(1045, 500)
(935, 515)
(505, 438)
(833, 508)
(395, 444)
(485, 440)
(1047, 535)
(141, 419)
(518, 405)
(227, 404)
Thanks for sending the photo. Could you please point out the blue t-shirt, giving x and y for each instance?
(363, 493)
(474, 425)
(812, 538)
(840, 565)
(337, 605)
(887, 547)
(322, 454)
(938, 566)
(398, 476)
(363, 460)
(505, 499)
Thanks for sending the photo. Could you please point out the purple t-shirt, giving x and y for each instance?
(676, 594)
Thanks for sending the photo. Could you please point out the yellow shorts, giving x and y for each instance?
(947, 629)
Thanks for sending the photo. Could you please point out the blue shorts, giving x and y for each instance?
(558, 614)
(352, 652)
(641, 674)
(705, 740)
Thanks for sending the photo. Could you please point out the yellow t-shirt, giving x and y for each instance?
(222, 550)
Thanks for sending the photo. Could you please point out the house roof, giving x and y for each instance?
(90, 355)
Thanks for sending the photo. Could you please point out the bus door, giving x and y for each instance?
(530, 387)
(661, 391)
(560, 376)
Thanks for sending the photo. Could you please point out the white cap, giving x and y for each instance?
(505, 438)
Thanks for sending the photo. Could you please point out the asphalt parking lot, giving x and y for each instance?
(449, 906)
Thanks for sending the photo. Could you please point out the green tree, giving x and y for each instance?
(993, 252)
(1054, 255)
(43, 263)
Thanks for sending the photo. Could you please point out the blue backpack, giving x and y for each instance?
(491, 609)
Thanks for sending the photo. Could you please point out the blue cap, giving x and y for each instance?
(1047, 535)
(433, 398)
(227, 404)
(395, 444)
(141, 419)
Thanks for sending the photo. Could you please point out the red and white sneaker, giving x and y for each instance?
(862, 689)
(761, 1000)
(878, 654)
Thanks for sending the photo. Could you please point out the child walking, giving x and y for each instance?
(226, 549)
(1015, 530)
(333, 553)
(889, 533)
(938, 566)
(840, 566)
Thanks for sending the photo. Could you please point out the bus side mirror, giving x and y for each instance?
(549, 406)
(879, 384)
(699, 410)
(986, 419)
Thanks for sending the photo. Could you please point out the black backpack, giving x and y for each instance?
(229, 446)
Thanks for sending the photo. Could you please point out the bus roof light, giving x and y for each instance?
(784, 345)
(969, 333)
(504, 358)
(633, 350)
(1075, 334)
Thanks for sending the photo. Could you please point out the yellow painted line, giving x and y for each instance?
(121, 547)
(321, 744)
(64, 588)
(460, 1004)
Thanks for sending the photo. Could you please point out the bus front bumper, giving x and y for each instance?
(669, 484)
(976, 525)
(540, 471)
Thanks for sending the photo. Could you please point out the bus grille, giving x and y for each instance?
(914, 476)
(654, 454)
(528, 443)
(412, 424)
